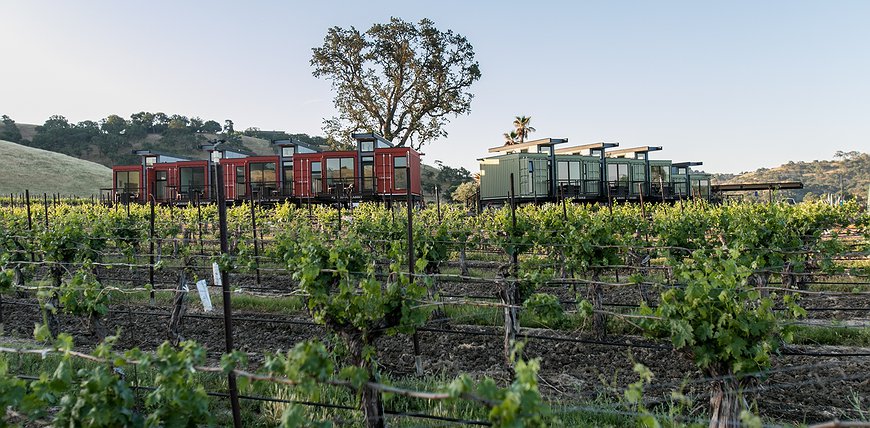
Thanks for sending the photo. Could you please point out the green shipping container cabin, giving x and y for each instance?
(660, 186)
(689, 184)
(533, 166)
(588, 164)
(629, 172)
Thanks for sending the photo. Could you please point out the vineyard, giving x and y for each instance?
(557, 315)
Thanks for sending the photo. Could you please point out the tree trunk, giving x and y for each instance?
(726, 404)
(509, 297)
(18, 280)
(438, 315)
(98, 329)
(50, 314)
(179, 308)
(760, 281)
(596, 294)
(371, 402)
(463, 263)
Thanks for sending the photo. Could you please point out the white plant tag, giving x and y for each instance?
(216, 271)
(202, 287)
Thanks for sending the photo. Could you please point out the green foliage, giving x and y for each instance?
(96, 396)
(9, 131)
(465, 192)
(84, 295)
(519, 405)
(178, 399)
(13, 390)
(546, 309)
(725, 326)
(437, 67)
(342, 289)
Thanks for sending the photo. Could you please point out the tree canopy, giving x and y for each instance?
(9, 130)
(400, 79)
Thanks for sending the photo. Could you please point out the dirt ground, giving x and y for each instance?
(800, 389)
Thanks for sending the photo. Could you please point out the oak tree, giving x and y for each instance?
(400, 79)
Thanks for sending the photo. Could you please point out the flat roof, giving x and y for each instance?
(371, 136)
(633, 150)
(158, 153)
(291, 141)
(543, 142)
(686, 164)
(575, 150)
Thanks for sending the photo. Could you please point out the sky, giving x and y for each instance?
(738, 85)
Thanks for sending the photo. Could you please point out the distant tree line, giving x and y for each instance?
(9, 130)
(112, 139)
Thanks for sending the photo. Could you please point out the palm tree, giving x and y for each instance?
(510, 138)
(521, 123)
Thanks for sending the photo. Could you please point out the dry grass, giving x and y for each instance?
(41, 171)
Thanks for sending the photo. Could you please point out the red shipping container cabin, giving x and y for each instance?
(181, 181)
(376, 170)
(255, 176)
(127, 183)
(136, 182)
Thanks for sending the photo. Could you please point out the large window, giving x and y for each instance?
(617, 172)
(368, 173)
(701, 187)
(127, 182)
(191, 180)
(263, 177)
(339, 172)
(316, 178)
(241, 185)
(659, 174)
(400, 173)
(287, 184)
(160, 182)
(570, 171)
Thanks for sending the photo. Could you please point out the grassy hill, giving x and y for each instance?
(820, 178)
(41, 171)
(187, 146)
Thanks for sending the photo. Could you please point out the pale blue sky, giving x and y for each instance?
(737, 85)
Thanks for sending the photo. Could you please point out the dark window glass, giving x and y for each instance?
(400, 171)
(241, 185)
(316, 176)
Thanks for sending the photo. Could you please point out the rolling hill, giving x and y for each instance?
(42, 171)
(849, 174)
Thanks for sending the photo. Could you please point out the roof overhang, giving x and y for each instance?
(537, 144)
(633, 150)
(372, 136)
(686, 164)
(290, 142)
(578, 150)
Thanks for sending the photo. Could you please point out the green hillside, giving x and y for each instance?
(850, 172)
(41, 171)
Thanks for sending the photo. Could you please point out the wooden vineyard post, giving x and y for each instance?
(564, 206)
(227, 297)
(179, 303)
(29, 219)
(45, 205)
(254, 229)
(609, 201)
(150, 251)
(438, 201)
(418, 359)
(199, 222)
(509, 287)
